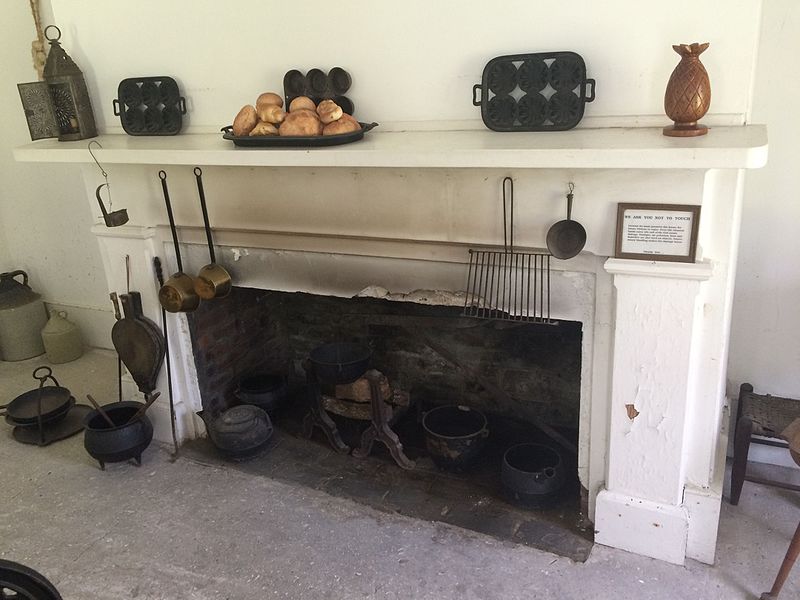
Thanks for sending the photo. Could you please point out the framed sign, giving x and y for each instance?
(657, 231)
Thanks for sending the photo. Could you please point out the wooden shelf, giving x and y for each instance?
(742, 147)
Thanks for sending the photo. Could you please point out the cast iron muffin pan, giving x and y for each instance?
(318, 85)
(540, 91)
(150, 106)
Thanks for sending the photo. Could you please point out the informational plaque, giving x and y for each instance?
(657, 231)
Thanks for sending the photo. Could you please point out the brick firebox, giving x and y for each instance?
(253, 330)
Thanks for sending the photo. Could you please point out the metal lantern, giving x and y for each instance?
(60, 105)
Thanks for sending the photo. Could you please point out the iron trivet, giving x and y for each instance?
(70, 425)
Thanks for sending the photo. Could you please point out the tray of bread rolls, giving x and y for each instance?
(304, 123)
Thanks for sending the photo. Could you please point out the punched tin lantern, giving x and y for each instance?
(65, 109)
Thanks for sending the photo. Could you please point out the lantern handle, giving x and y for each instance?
(52, 39)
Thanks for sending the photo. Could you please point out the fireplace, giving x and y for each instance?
(514, 374)
(401, 210)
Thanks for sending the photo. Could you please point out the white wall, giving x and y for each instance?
(411, 61)
(765, 337)
(44, 217)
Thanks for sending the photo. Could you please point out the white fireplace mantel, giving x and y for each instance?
(399, 209)
(613, 148)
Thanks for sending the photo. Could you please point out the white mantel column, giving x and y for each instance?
(640, 509)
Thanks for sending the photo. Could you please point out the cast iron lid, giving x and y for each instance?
(240, 419)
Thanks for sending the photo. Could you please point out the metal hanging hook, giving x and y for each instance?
(102, 170)
(571, 187)
(99, 166)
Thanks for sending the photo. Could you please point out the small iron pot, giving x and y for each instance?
(240, 432)
(128, 439)
(340, 362)
(533, 474)
(268, 392)
(454, 435)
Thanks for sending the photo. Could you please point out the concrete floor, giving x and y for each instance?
(186, 530)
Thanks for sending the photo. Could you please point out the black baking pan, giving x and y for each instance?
(540, 91)
(300, 141)
(150, 106)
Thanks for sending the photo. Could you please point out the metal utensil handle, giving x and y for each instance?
(570, 196)
(115, 302)
(43, 378)
(100, 199)
(172, 417)
(101, 411)
(198, 173)
(140, 413)
(508, 223)
(162, 175)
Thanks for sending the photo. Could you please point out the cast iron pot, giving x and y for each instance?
(454, 435)
(340, 362)
(122, 442)
(533, 474)
(268, 392)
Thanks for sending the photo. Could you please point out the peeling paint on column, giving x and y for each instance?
(632, 412)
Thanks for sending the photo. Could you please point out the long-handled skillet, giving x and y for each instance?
(213, 281)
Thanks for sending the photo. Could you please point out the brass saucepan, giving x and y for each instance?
(213, 281)
(177, 294)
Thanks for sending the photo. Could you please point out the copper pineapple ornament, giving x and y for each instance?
(688, 94)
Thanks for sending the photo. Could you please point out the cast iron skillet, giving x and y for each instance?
(566, 238)
(56, 402)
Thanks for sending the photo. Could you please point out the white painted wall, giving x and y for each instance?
(765, 336)
(44, 217)
(412, 61)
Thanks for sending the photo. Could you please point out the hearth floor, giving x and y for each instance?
(197, 530)
(425, 493)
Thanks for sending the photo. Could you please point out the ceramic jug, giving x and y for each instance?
(62, 339)
(22, 317)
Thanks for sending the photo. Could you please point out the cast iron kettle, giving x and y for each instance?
(239, 432)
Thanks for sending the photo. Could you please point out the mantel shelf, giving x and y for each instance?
(742, 147)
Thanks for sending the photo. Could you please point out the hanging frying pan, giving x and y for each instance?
(566, 238)
(213, 281)
(177, 294)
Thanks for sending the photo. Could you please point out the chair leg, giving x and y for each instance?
(741, 447)
(788, 562)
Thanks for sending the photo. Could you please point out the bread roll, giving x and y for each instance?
(264, 128)
(346, 124)
(310, 113)
(245, 121)
(271, 113)
(329, 111)
(302, 102)
(269, 98)
(300, 123)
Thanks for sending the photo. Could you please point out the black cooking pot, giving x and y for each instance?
(454, 435)
(340, 362)
(123, 441)
(268, 392)
(533, 474)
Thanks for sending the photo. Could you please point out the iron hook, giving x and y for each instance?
(99, 166)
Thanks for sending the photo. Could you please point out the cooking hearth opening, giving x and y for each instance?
(402, 403)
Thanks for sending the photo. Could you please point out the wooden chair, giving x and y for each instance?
(764, 416)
